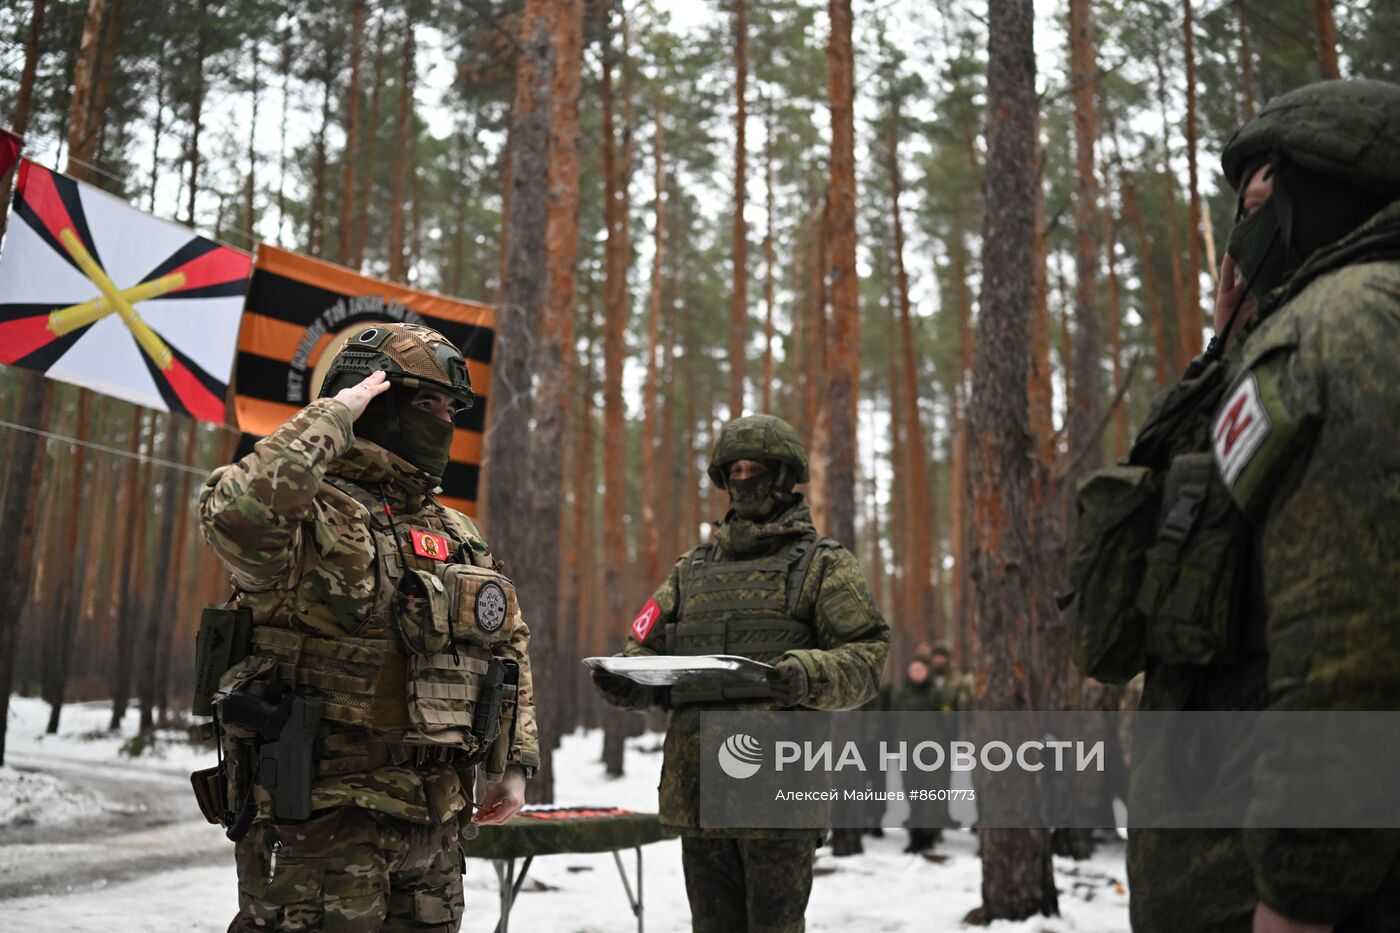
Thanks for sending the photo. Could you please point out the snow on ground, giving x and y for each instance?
(173, 872)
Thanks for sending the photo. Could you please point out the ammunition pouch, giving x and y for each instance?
(1117, 519)
(224, 639)
(211, 793)
(358, 681)
(421, 611)
(1193, 589)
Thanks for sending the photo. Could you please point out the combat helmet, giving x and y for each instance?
(1348, 130)
(411, 355)
(758, 437)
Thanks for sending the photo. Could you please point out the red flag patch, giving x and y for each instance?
(427, 544)
(642, 625)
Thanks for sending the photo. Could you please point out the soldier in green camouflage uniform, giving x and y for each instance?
(930, 685)
(335, 542)
(772, 589)
(1271, 581)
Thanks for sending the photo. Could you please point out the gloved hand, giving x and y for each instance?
(788, 681)
(618, 690)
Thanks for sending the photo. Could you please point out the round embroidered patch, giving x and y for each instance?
(490, 607)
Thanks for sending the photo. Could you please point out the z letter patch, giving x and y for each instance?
(1239, 429)
(642, 625)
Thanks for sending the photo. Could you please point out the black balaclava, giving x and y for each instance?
(421, 438)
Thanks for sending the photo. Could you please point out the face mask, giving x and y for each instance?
(1256, 246)
(752, 498)
(422, 439)
(427, 441)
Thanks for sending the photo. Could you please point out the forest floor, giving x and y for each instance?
(93, 839)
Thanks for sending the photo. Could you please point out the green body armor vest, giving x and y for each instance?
(741, 607)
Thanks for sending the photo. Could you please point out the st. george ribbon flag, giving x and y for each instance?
(97, 293)
(300, 311)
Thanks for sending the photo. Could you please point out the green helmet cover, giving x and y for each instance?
(758, 437)
(1348, 130)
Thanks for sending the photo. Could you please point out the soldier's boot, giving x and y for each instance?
(920, 840)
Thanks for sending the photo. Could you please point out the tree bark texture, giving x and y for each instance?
(82, 135)
(345, 233)
(554, 363)
(1191, 317)
(844, 368)
(402, 127)
(58, 633)
(739, 295)
(651, 500)
(1326, 39)
(1017, 881)
(1086, 402)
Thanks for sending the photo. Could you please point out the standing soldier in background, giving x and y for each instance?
(771, 589)
(930, 685)
(383, 627)
(1270, 579)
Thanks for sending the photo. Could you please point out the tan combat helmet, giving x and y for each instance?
(411, 355)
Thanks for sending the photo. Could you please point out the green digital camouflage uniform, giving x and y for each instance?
(1305, 439)
(939, 693)
(758, 880)
(290, 526)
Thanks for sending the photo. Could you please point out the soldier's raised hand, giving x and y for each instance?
(357, 397)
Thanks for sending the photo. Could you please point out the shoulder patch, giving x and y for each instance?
(646, 620)
(1240, 429)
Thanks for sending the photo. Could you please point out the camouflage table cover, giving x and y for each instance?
(539, 830)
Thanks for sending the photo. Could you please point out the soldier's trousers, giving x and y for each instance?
(349, 870)
(747, 885)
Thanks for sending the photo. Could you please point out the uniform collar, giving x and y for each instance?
(367, 464)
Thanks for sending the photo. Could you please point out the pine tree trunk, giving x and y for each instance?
(19, 123)
(563, 21)
(584, 527)
(368, 139)
(1115, 321)
(1017, 879)
(58, 642)
(286, 64)
(1039, 389)
(924, 607)
(908, 627)
(769, 286)
(844, 369)
(615, 313)
(1161, 365)
(97, 115)
(1246, 61)
(82, 135)
(739, 295)
(250, 182)
(197, 111)
(345, 234)
(651, 521)
(153, 628)
(136, 481)
(401, 130)
(1086, 401)
(1190, 321)
(1326, 39)
(316, 227)
(174, 587)
(18, 515)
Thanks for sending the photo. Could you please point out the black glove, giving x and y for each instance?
(618, 690)
(788, 681)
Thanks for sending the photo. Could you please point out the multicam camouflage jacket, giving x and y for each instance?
(848, 641)
(291, 521)
(1306, 442)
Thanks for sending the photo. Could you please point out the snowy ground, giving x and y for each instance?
(92, 839)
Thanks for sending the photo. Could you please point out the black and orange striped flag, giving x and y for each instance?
(301, 310)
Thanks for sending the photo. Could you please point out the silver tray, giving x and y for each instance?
(664, 670)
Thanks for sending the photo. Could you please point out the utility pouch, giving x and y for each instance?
(211, 793)
(1117, 509)
(499, 754)
(483, 606)
(1192, 589)
(422, 613)
(224, 638)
